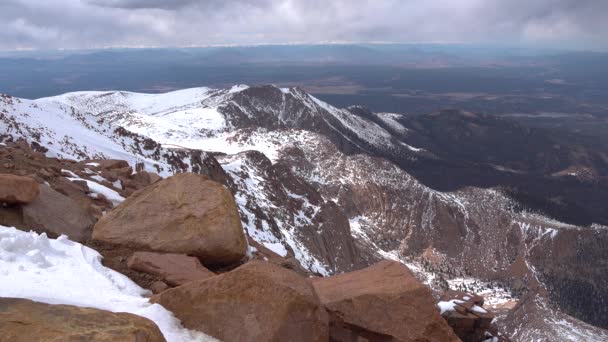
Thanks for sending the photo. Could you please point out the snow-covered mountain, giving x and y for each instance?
(330, 187)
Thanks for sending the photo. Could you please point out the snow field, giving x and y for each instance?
(60, 271)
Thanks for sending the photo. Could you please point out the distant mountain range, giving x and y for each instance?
(462, 198)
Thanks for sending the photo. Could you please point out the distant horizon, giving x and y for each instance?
(321, 43)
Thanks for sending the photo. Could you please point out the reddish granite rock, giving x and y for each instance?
(186, 214)
(173, 269)
(383, 302)
(258, 301)
(17, 189)
(56, 214)
(23, 320)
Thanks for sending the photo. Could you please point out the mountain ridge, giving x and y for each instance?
(323, 187)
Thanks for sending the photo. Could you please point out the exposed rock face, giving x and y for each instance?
(276, 203)
(574, 267)
(464, 312)
(56, 214)
(17, 190)
(186, 214)
(64, 176)
(23, 320)
(173, 269)
(472, 231)
(536, 319)
(258, 301)
(383, 302)
(108, 164)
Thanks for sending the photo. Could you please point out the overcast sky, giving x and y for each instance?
(43, 24)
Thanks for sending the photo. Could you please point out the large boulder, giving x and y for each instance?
(258, 301)
(23, 320)
(56, 214)
(185, 214)
(173, 269)
(17, 189)
(383, 302)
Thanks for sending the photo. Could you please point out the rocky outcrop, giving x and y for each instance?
(258, 301)
(186, 214)
(56, 214)
(22, 320)
(573, 265)
(17, 189)
(464, 312)
(64, 176)
(173, 269)
(383, 302)
(275, 202)
(534, 318)
(107, 164)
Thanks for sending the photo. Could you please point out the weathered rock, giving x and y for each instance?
(174, 269)
(124, 172)
(17, 189)
(56, 214)
(22, 320)
(383, 302)
(11, 216)
(185, 214)
(158, 286)
(140, 180)
(468, 298)
(464, 313)
(259, 252)
(74, 190)
(258, 301)
(107, 164)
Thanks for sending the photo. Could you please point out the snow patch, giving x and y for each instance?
(60, 271)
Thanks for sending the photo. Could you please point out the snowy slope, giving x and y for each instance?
(84, 125)
(60, 271)
(284, 191)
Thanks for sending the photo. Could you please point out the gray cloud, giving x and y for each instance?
(103, 23)
(143, 4)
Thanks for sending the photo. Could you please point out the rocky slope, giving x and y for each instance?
(331, 188)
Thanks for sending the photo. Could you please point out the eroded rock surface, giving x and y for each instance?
(383, 302)
(186, 213)
(17, 189)
(258, 301)
(23, 320)
(173, 269)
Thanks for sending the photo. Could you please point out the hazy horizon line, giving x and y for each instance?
(319, 43)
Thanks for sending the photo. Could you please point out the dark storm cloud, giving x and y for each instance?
(103, 23)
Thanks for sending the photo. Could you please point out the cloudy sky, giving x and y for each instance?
(44, 24)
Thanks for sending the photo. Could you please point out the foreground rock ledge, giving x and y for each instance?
(258, 301)
(23, 320)
(383, 302)
(185, 214)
